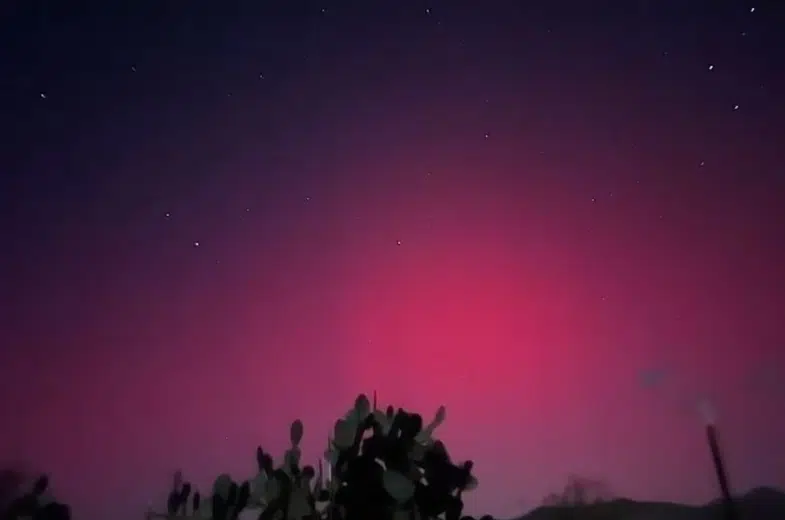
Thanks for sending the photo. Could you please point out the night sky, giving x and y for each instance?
(563, 220)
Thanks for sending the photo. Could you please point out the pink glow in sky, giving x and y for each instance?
(570, 286)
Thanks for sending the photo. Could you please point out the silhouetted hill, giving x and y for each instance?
(761, 503)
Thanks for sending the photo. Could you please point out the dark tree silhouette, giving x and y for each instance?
(17, 503)
(11, 481)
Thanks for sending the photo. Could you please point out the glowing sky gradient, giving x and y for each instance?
(516, 210)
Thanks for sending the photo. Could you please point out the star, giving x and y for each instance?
(487, 135)
(43, 95)
(167, 215)
(711, 67)
(735, 107)
(397, 242)
(196, 244)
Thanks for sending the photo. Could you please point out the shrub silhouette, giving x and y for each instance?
(578, 491)
(11, 481)
(34, 504)
(579, 498)
(383, 465)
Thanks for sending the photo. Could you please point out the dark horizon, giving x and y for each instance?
(562, 221)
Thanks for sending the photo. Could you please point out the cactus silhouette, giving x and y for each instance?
(381, 464)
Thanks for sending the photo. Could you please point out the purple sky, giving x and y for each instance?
(219, 217)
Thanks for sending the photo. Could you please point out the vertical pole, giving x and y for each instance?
(719, 469)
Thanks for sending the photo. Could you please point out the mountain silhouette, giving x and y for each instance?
(762, 503)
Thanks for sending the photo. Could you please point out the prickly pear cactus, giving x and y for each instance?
(381, 464)
(390, 464)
